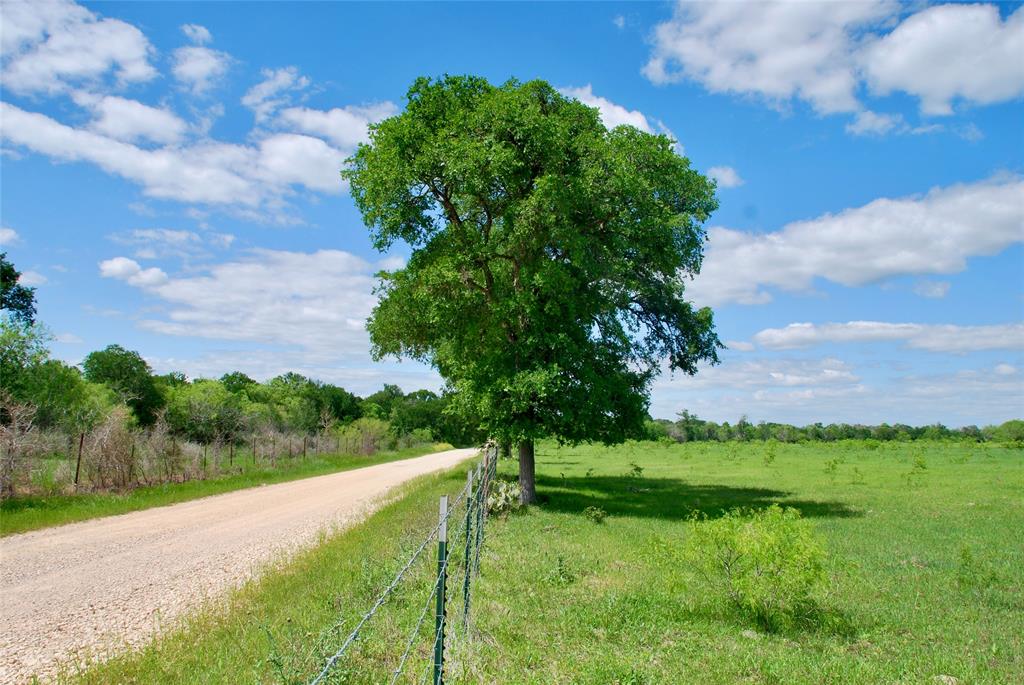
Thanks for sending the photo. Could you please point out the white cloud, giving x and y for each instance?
(739, 345)
(204, 173)
(932, 289)
(1005, 370)
(198, 68)
(32, 278)
(269, 95)
(726, 176)
(200, 35)
(957, 398)
(619, 21)
(934, 233)
(612, 115)
(931, 337)
(161, 243)
(765, 373)
(292, 158)
(313, 301)
(823, 53)
(208, 172)
(947, 52)
(346, 127)
(128, 270)
(47, 46)
(776, 50)
(130, 121)
(872, 123)
(8, 236)
(68, 339)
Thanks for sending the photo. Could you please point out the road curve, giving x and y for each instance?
(73, 592)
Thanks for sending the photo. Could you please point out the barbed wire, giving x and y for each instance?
(384, 595)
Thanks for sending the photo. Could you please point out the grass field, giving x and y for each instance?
(22, 514)
(925, 577)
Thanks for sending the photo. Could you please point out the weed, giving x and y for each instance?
(504, 497)
(635, 470)
(595, 514)
(768, 563)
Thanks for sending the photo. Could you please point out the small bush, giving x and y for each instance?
(635, 470)
(768, 563)
(504, 497)
(595, 514)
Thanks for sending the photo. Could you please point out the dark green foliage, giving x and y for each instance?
(546, 282)
(127, 374)
(15, 298)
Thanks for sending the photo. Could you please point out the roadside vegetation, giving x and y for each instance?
(31, 512)
(905, 568)
(79, 440)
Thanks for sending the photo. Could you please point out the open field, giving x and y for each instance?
(95, 586)
(925, 576)
(31, 512)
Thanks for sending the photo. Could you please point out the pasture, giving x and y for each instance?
(924, 568)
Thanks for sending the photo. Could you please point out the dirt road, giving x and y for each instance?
(95, 586)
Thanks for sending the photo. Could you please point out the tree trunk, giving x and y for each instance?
(527, 485)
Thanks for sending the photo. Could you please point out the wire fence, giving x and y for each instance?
(457, 538)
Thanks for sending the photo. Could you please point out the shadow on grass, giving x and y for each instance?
(669, 498)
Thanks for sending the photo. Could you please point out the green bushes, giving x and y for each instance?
(768, 563)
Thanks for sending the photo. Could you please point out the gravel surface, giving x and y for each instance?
(85, 590)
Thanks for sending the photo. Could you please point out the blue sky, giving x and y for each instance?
(169, 183)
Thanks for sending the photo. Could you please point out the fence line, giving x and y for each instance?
(466, 566)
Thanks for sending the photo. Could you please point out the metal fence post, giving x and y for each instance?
(467, 557)
(442, 559)
(481, 504)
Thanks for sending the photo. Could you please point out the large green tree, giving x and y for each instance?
(549, 257)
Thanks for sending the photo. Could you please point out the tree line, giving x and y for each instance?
(689, 428)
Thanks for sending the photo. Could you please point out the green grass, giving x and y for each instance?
(926, 577)
(26, 513)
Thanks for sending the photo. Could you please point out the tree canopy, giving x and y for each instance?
(546, 282)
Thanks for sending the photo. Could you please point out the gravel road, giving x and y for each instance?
(83, 590)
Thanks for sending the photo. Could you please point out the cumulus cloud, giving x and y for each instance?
(8, 236)
(970, 396)
(200, 35)
(726, 176)
(932, 289)
(68, 339)
(612, 115)
(872, 123)
(930, 337)
(947, 52)
(128, 270)
(207, 172)
(776, 50)
(316, 301)
(1005, 369)
(160, 243)
(346, 127)
(131, 121)
(47, 46)
(824, 53)
(271, 93)
(934, 233)
(765, 373)
(198, 69)
(32, 278)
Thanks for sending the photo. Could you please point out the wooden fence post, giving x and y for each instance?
(78, 466)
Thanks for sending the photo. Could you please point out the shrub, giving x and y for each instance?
(504, 497)
(595, 514)
(768, 563)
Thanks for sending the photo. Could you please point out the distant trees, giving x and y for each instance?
(17, 299)
(689, 428)
(127, 374)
